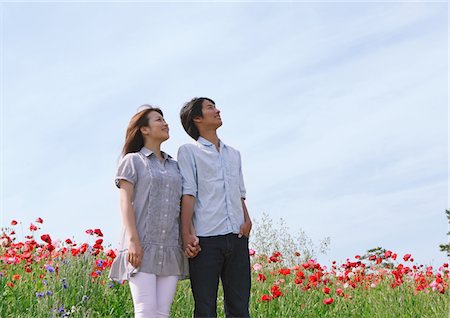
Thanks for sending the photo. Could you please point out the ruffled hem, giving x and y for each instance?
(165, 261)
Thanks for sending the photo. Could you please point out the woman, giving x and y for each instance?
(151, 256)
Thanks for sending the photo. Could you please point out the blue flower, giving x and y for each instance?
(49, 293)
(39, 295)
(49, 268)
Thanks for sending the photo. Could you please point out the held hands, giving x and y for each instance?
(135, 253)
(191, 245)
(245, 229)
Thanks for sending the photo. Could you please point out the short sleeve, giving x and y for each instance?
(188, 170)
(126, 170)
(241, 179)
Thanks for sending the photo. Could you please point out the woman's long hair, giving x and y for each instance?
(134, 140)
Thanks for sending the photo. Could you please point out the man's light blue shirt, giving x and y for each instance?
(215, 179)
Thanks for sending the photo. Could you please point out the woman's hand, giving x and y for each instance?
(135, 253)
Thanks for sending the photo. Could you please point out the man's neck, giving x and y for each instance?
(211, 136)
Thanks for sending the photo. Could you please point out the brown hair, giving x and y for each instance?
(134, 140)
(189, 111)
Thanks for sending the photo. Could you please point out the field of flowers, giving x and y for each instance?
(40, 277)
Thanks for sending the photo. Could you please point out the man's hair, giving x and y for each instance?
(189, 111)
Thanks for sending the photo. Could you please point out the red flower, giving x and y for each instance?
(387, 254)
(326, 290)
(406, 257)
(251, 252)
(284, 271)
(372, 257)
(90, 232)
(110, 253)
(357, 256)
(300, 274)
(13, 222)
(394, 256)
(266, 298)
(16, 277)
(39, 220)
(99, 241)
(33, 227)
(98, 232)
(10, 284)
(339, 291)
(46, 238)
(261, 278)
(328, 301)
(68, 241)
(276, 292)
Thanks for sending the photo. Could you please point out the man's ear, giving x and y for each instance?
(197, 119)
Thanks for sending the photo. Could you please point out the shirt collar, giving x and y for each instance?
(147, 152)
(208, 143)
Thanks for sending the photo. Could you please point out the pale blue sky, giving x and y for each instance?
(340, 111)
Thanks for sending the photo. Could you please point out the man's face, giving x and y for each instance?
(211, 115)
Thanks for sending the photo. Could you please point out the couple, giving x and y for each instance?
(211, 227)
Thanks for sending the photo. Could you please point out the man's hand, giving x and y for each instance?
(191, 245)
(245, 229)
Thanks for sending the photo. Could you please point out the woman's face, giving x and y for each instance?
(157, 127)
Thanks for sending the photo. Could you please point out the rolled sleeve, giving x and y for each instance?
(188, 170)
(126, 171)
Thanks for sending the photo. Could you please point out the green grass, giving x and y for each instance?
(73, 287)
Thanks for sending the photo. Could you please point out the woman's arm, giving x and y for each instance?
(135, 251)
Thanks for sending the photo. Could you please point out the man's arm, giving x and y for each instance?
(190, 240)
(247, 226)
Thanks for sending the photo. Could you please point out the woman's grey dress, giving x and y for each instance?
(157, 195)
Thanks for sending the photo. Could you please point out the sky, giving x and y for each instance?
(339, 110)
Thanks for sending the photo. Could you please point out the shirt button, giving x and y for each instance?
(159, 263)
(167, 200)
(167, 185)
(165, 215)
(164, 231)
(161, 246)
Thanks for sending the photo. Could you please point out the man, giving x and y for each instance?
(215, 224)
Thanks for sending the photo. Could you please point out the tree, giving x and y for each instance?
(446, 247)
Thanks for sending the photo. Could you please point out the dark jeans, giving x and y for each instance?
(224, 256)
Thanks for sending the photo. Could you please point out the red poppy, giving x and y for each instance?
(261, 278)
(98, 232)
(39, 220)
(328, 301)
(33, 227)
(266, 298)
(90, 232)
(110, 253)
(326, 290)
(13, 222)
(284, 271)
(10, 284)
(68, 241)
(46, 238)
(276, 292)
(99, 241)
(406, 257)
(16, 277)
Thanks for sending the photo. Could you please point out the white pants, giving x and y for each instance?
(152, 295)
